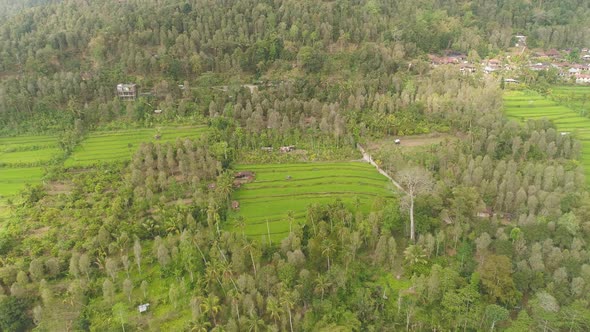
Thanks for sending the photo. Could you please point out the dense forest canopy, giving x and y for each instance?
(488, 229)
(76, 51)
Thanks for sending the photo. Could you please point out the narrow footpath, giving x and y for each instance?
(367, 158)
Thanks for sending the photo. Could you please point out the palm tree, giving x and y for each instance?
(273, 309)
(291, 217)
(241, 223)
(328, 248)
(212, 275)
(322, 284)
(200, 326)
(255, 323)
(211, 307)
(224, 267)
(414, 254)
(250, 247)
(235, 295)
(225, 185)
(288, 300)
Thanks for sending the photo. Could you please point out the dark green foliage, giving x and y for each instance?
(13, 314)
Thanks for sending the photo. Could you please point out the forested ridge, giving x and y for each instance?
(489, 233)
(76, 51)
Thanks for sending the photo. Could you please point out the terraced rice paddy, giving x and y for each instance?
(280, 188)
(114, 146)
(575, 97)
(523, 105)
(21, 161)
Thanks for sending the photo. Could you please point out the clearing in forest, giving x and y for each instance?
(524, 105)
(280, 188)
(115, 146)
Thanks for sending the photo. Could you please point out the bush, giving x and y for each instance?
(13, 316)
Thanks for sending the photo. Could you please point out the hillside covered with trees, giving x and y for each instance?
(489, 230)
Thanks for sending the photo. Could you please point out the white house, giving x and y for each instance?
(573, 71)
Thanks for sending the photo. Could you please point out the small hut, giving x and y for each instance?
(235, 205)
(288, 148)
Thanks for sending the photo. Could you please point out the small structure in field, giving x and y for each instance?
(397, 141)
(288, 148)
(157, 136)
(127, 91)
(266, 148)
(143, 307)
(243, 177)
(157, 111)
(212, 186)
(235, 205)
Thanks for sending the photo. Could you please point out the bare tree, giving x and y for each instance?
(415, 180)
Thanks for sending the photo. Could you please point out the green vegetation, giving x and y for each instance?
(21, 163)
(489, 230)
(115, 146)
(525, 105)
(281, 193)
(574, 97)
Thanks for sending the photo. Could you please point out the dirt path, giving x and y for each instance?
(367, 158)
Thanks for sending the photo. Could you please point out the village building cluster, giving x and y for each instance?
(569, 65)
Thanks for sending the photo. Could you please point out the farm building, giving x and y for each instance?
(127, 91)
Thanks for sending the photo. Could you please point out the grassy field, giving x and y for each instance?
(271, 196)
(113, 146)
(523, 105)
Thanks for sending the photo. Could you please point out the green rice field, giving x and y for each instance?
(523, 105)
(270, 197)
(575, 97)
(27, 150)
(21, 161)
(114, 146)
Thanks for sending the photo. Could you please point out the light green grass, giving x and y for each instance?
(270, 197)
(34, 156)
(524, 105)
(113, 146)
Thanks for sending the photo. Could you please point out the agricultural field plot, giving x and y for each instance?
(21, 161)
(523, 105)
(12, 180)
(20, 143)
(27, 150)
(576, 97)
(280, 188)
(114, 146)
